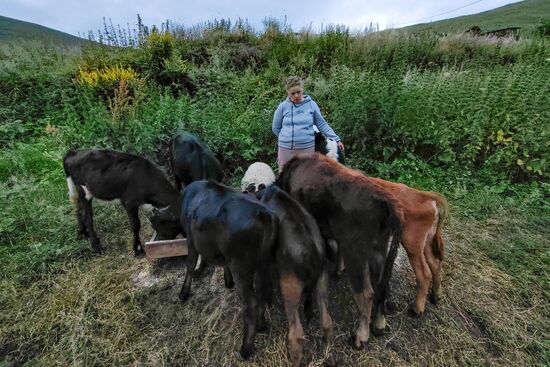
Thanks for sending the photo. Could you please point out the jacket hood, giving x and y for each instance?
(305, 100)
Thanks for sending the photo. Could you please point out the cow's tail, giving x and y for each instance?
(396, 230)
(73, 192)
(438, 245)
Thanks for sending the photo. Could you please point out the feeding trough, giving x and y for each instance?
(165, 248)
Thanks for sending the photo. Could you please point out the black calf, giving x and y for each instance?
(235, 230)
(191, 160)
(300, 258)
(108, 175)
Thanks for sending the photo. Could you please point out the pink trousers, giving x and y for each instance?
(284, 155)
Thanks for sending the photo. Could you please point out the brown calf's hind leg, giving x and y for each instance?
(291, 290)
(423, 280)
(435, 267)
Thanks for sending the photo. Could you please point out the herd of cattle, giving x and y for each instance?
(315, 212)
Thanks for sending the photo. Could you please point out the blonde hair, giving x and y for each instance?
(293, 81)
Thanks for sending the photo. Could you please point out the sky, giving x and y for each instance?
(77, 17)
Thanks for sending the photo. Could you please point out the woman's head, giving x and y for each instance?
(295, 89)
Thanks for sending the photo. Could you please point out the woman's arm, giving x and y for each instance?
(322, 124)
(277, 123)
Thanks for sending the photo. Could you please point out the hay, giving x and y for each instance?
(118, 310)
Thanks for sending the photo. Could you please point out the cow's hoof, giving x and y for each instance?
(356, 346)
(244, 354)
(139, 254)
(184, 296)
(434, 299)
(377, 332)
(413, 312)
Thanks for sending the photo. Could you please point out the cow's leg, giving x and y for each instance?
(377, 268)
(228, 277)
(245, 284)
(264, 290)
(81, 232)
(291, 290)
(423, 279)
(308, 307)
(363, 294)
(190, 263)
(133, 216)
(321, 292)
(434, 264)
(89, 222)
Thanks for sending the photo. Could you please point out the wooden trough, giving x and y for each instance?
(165, 248)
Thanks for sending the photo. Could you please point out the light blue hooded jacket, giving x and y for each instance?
(293, 124)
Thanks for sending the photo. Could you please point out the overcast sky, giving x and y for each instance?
(77, 16)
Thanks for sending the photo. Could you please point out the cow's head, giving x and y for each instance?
(320, 143)
(166, 223)
(328, 147)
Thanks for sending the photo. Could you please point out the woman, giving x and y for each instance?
(293, 123)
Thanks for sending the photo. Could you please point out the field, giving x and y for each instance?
(464, 116)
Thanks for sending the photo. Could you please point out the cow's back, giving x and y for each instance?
(333, 193)
(110, 174)
(416, 204)
(192, 160)
(235, 222)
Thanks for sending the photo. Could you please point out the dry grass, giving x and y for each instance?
(118, 310)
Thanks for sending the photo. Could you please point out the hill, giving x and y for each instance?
(525, 14)
(16, 30)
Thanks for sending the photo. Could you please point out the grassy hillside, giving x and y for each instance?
(525, 14)
(15, 30)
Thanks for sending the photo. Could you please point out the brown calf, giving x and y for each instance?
(422, 218)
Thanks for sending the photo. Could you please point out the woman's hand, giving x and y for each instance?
(341, 146)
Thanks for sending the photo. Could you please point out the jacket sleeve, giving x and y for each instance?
(322, 124)
(277, 124)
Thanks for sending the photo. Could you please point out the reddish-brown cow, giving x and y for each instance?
(422, 217)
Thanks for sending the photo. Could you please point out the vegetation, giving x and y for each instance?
(527, 15)
(18, 30)
(461, 115)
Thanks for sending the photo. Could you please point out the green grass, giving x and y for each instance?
(525, 14)
(14, 30)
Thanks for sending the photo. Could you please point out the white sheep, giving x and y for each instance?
(257, 174)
